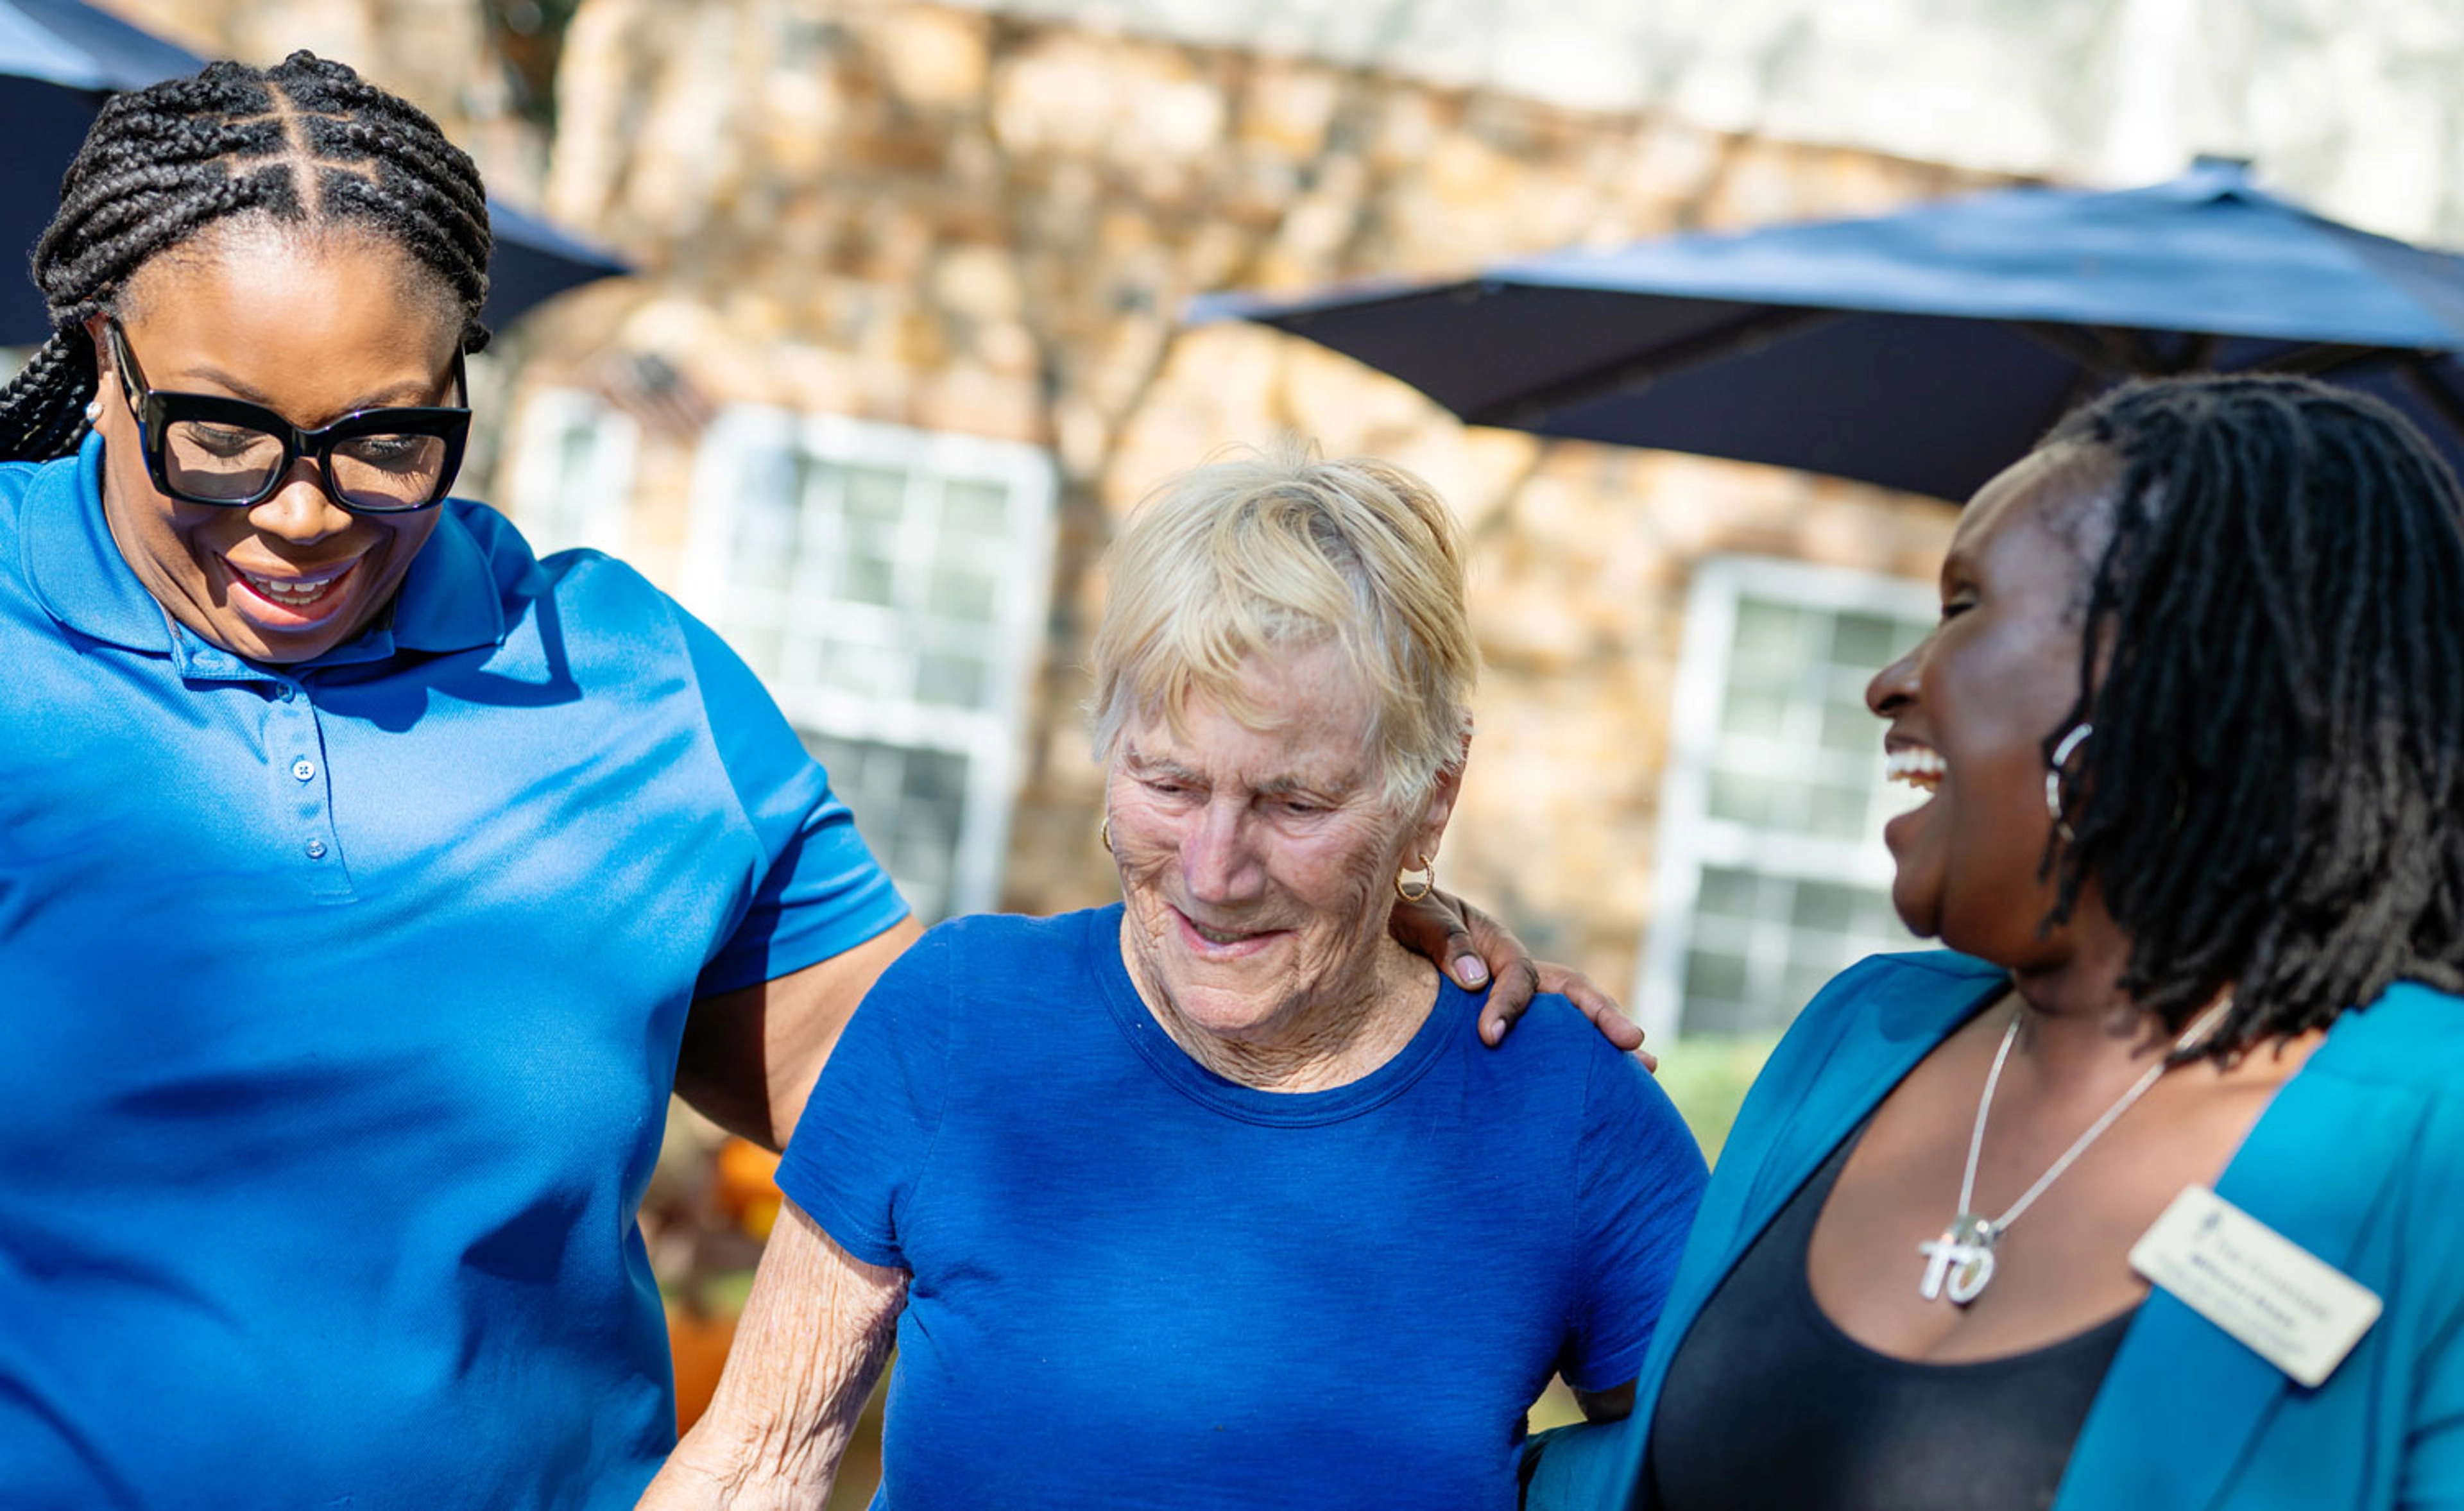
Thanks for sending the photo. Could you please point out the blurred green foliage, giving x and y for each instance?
(1707, 1077)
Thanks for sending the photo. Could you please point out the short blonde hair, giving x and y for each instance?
(1277, 551)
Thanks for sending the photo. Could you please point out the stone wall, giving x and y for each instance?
(2348, 104)
(960, 220)
(950, 219)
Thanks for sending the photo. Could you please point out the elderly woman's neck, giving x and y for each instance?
(1357, 1022)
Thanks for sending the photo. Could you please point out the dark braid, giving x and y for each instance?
(306, 144)
(2272, 798)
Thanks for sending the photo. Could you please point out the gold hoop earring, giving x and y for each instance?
(1103, 832)
(1427, 867)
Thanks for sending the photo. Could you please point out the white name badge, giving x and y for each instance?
(2289, 1307)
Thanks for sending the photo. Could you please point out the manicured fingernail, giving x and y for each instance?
(1471, 969)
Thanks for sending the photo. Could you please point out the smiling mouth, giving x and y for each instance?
(1916, 766)
(302, 593)
(1223, 938)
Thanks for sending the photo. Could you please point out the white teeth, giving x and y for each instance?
(1915, 765)
(292, 594)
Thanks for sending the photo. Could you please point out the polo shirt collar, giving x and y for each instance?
(448, 600)
(72, 564)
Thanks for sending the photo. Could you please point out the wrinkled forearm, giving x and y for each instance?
(815, 1334)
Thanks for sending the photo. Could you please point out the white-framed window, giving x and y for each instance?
(573, 471)
(890, 586)
(1772, 873)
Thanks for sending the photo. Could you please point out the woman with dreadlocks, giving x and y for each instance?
(366, 883)
(2192, 728)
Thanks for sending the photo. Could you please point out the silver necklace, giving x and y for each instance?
(1960, 1262)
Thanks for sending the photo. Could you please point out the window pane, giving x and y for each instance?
(577, 445)
(1759, 715)
(1789, 804)
(1867, 642)
(1727, 893)
(867, 670)
(760, 649)
(976, 509)
(1850, 727)
(1877, 919)
(868, 580)
(1838, 812)
(1825, 906)
(1715, 975)
(1740, 798)
(1766, 630)
(872, 537)
(876, 492)
(959, 593)
(936, 778)
(1781, 674)
(764, 550)
(950, 679)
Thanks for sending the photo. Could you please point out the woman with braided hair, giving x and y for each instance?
(2147, 1196)
(366, 883)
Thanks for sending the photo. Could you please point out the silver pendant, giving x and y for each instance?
(1961, 1262)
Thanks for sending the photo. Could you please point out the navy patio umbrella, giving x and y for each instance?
(59, 59)
(1923, 350)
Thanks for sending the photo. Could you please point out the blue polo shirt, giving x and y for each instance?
(338, 1008)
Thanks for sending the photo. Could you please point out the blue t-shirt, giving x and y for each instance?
(1139, 1284)
(338, 1007)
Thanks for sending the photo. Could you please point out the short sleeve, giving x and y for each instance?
(820, 893)
(859, 1151)
(1640, 1177)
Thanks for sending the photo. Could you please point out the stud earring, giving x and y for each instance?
(92, 410)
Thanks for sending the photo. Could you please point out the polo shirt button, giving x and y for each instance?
(304, 768)
(286, 691)
(315, 849)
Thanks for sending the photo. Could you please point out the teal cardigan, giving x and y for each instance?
(2360, 1159)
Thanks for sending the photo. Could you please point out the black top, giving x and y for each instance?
(1769, 1403)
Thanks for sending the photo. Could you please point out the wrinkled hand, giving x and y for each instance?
(1471, 948)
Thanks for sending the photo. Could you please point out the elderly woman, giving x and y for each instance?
(1215, 1198)
(2147, 1197)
